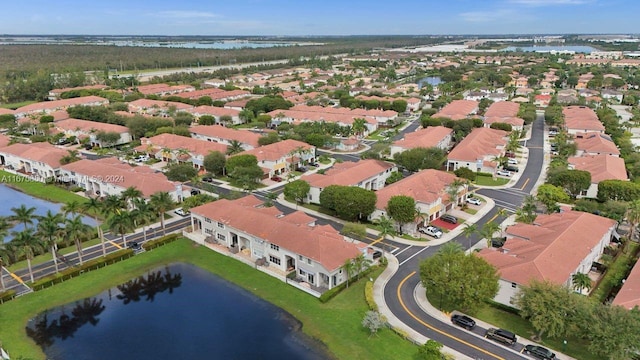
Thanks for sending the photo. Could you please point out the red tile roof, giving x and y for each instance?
(348, 173)
(503, 109)
(596, 143)
(88, 126)
(581, 118)
(213, 111)
(479, 143)
(550, 249)
(425, 186)
(321, 243)
(601, 167)
(457, 109)
(221, 132)
(428, 137)
(629, 294)
(41, 152)
(175, 142)
(61, 104)
(276, 151)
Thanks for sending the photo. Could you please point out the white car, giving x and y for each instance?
(431, 231)
(182, 212)
(512, 162)
(503, 173)
(474, 201)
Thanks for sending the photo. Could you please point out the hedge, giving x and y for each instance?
(368, 296)
(152, 244)
(86, 267)
(7, 295)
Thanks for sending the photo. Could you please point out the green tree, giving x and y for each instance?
(550, 195)
(431, 350)
(468, 230)
(72, 208)
(401, 209)
(161, 203)
(487, 231)
(573, 181)
(361, 264)
(269, 138)
(354, 230)
(547, 307)
(386, 228)
(359, 126)
(581, 281)
(297, 190)
(453, 190)
(373, 321)
(421, 158)
(49, 228)
(214, 162)
(27, 244)
(206, 120)
(527, 212)
(23, 214)
(633, 217)
(618, 190)
(463, 280)
(122, 222)
(129, 195)
(246, 160)
(181, 172)
(76, 230)
(355, 203)
(234, 147)
(96, 207)
(246, 177)
(349, 268)
(143, 214)
(107, 139)
(614, 332)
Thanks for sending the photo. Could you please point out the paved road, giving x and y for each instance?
(399, 291)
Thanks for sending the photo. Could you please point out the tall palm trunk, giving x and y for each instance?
(162, 223)
(79, 248)
(1, 277)
(144, 233)
(30, 271)
(55, 257)
(124, 240)
(101, 236)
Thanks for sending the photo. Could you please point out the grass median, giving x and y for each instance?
(40, 190)
(336, 323)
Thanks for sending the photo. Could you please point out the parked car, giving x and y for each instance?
(431, 231)
(195, 192)
(142, 158)
(512, 162)
(510, 154)
(500, 335)
(314, 164)
(474, 201)
(539, 352)
(377, 254)
(503, 173)
(511, 168)
(301, 169)
(182, 212)
(276, 178)
(553, 133)
(208, 179)
(134, 245)
(449, 218)
(463, 321)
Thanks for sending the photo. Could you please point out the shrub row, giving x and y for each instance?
(152, 244)
(368, 296)
(76, 271)
(7, 295)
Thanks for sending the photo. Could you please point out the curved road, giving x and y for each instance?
(399, 291)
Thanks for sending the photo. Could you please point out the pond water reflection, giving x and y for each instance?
(175, 312)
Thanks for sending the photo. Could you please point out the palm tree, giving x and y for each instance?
(581, 281)
(27, 244)
(270, 198)
(76, 230)
(5, 258)
(453, 189)
(502, 213)
(49, 228)
(95, 206)
(23, 214)
(348, 267)
(129, 195)
(167, 154)
(73, 207)
(234, 147)
(633, 217)
(122, 223)
(143, 214)
(468, 230)
(488, 230)
(161, 202)
(112, 204)
(359, 126)
(361, 264)
(386, 227)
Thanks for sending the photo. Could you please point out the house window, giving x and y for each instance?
(221, 237)
(208, 231)
(275, 247)
(300, 257)
(274, 259)
(207, 220)
(221, 225)
(514, 285)
(308, 261)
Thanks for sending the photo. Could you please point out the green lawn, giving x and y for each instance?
(40, 190)
(489, 181)
(14, 106)
(336, 323)
(470, 211)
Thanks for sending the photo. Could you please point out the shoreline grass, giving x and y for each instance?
(336, 323)
(39, 190)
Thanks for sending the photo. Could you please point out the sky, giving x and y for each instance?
(318, 17)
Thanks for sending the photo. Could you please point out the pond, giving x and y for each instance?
(570, 48)
(431, 80)
(174, 312)
(13, 198)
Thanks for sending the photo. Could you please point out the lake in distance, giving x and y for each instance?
(174, 312)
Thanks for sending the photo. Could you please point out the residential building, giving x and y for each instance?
(39, 161)
(581, 119)
(157, 107)
(601, 167)
(91, 130)
(553, 248)
(217, 113)
(478, 150)
(282, 157)
(458, 109)
(542, 100)
(285, 246)
(432, 136)
(108, 176)
(56, 93)
(163, 89)
(225, 135)
(595, 144)
(429, 189)
(629, 295)
(504, 112)
(170, 147)
(47, 107)
(368, 174)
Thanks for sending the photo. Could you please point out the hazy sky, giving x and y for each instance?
(318, 17)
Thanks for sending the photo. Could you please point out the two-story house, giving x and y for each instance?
(282, 157)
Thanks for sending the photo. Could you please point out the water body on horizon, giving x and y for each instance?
(13, 198)
(175, 312)
(574, 48)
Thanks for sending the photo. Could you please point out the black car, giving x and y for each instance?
(500, 335)
(134, 245)
(449, 218)
(463, 321)
(539, 352)
(511, 168)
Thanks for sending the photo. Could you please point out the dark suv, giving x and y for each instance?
(449, 218)
(501, 335)
(539, 352)
(463, 321)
